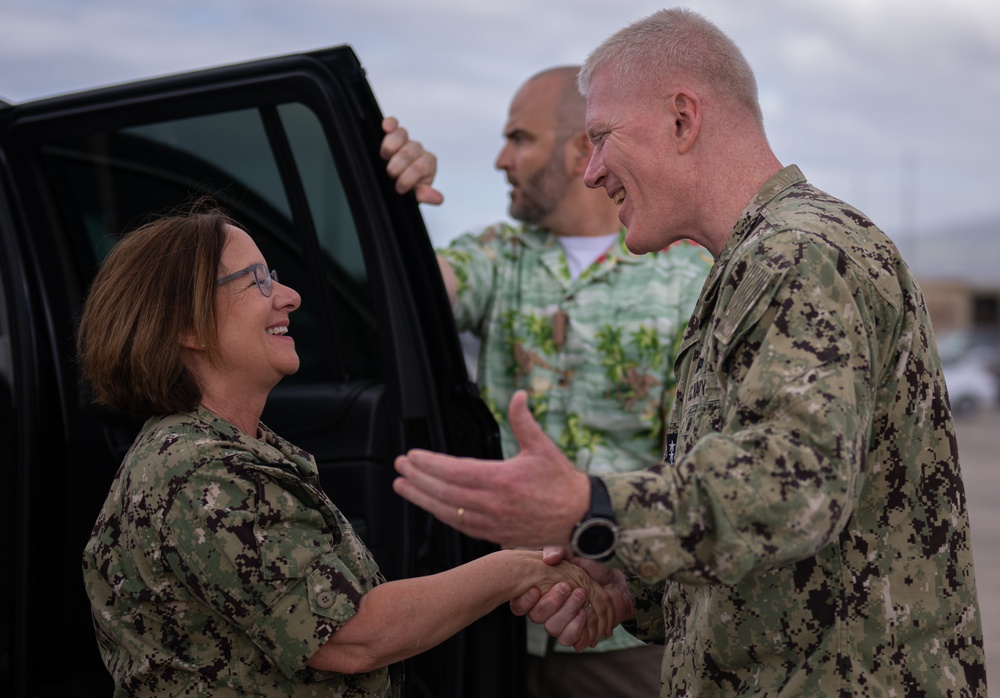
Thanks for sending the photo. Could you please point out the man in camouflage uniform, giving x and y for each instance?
(807, 532)
(562, 310)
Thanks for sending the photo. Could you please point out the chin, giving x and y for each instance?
(637, 245)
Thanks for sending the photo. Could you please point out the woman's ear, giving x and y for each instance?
(189, 340)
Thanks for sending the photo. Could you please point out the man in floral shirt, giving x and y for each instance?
(566, 312)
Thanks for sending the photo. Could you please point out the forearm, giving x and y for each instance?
(400, 619)
(449, 278)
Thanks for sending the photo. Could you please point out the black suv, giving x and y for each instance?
(290, 147)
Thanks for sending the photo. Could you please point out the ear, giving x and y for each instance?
(578, 152)
(189, 340)
(684, 109)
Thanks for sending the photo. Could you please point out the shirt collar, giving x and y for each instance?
(748, 220)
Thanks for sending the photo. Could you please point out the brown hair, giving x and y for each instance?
(155, 284)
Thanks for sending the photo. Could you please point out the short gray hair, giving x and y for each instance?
(671, 42)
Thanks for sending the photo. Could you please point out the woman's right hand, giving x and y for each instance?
(563, 608)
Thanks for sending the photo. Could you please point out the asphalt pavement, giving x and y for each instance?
(979, 453)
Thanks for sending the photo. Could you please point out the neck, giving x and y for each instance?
(233, 397)
(583, 212)
(247, 420)
(234, 400)
(736, 178)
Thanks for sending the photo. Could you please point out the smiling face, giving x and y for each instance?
(636, 161)
(256, 350)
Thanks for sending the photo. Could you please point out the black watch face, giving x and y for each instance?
(597, 539)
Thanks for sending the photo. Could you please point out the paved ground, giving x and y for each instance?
(979, 450)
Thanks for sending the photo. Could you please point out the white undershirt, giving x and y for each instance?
(581, 251)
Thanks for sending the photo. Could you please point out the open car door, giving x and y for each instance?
(289, 146)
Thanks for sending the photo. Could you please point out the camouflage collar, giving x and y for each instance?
(221, 425)
(750, 218)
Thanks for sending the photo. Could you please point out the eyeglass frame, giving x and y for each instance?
(257, 270)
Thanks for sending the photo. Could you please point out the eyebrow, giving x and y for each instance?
(517, 132)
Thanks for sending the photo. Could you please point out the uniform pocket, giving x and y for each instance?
(289, 538)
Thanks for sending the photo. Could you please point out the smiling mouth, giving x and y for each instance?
(619, 197)
(277, 330)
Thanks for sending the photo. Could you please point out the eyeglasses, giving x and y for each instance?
(261, 276)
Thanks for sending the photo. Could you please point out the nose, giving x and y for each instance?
(596, 172)
(504, 161)
(285, 296)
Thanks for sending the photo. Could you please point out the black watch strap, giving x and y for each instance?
(600, 500)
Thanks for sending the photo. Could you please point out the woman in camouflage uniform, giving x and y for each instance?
(218, 565)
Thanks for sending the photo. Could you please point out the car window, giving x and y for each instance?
(325, 194)
(255, 162)
(6, 360)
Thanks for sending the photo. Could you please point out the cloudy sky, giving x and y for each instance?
(891, 104)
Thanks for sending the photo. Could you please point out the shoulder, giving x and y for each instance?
(501, 236)
(496, 234)
(805, 226)
(183, 443)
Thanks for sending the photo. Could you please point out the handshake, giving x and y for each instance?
(579, 601)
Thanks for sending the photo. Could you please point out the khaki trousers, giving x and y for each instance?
(628, 673)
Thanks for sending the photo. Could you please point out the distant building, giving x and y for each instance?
(959, 305)
(959, 272)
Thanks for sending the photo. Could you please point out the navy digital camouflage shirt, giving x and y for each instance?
(218, 566)
(809, 535)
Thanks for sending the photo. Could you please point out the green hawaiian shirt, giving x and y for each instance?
(595, 354)
(218, 566)
(809, 536)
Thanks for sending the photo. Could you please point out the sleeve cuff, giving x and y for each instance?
(299, 622)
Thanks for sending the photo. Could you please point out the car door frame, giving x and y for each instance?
(428, 402)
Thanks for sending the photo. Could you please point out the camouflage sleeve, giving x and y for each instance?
(473, 258)
(649, 624)
(250, 550)
(779, 406)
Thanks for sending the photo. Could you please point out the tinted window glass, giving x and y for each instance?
(6, 359)
(344, 274)
(109, 182)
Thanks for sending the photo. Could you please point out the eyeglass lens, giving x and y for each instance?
(264, 279)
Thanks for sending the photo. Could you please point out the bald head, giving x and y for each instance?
(568, 105)
(545, 154)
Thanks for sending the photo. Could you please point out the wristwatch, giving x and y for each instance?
(596, 535)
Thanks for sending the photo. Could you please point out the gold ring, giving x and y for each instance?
(461, 513)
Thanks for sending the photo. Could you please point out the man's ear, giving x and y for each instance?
(684, 109)
(578, 152)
